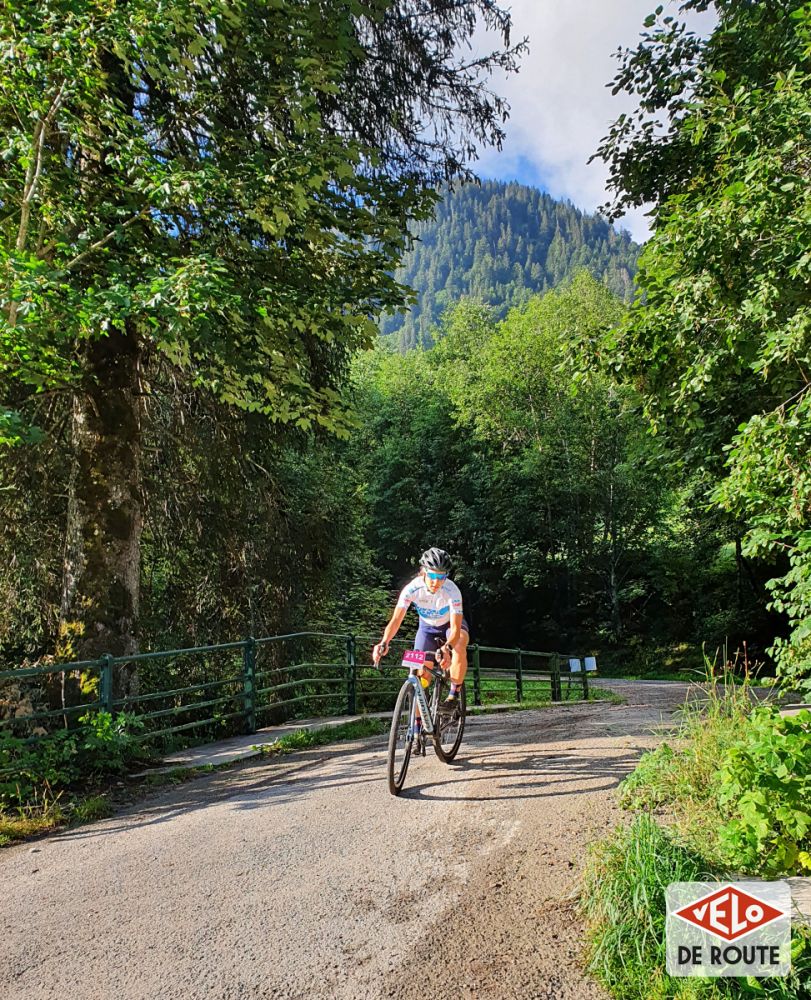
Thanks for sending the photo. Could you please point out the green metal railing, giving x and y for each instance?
(234, 687)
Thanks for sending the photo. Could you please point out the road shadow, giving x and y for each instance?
(497, 751)
(558, 773)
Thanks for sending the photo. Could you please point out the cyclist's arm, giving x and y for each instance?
(455, 629)
(394, 624)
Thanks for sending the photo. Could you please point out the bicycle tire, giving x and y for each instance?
(398, 739)
(449, 730)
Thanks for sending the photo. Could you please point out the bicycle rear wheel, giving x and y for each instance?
(450, 726)
(401, 738)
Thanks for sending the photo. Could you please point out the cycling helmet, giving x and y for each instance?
(437, 560)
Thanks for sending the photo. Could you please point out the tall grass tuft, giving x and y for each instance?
(732, 792)
(624, 901)
(682, 777)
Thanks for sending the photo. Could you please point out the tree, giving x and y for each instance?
(574, 488)
(720, 338)
(543, 494)
(220, 188)
(495, 237)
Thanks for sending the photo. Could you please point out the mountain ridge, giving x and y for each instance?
(500, 242)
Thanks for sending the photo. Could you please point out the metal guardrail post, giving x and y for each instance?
(106, 683)
(248, 683)
(556, 692)
(477, 677)
(351, 677)
(519, 676)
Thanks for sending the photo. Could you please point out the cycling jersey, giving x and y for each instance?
(433, 609)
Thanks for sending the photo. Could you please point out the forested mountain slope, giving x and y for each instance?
(501, 243)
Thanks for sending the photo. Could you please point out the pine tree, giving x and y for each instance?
(500, 242)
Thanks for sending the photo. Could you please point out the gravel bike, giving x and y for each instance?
(444, 726)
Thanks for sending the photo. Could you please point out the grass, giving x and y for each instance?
(535, 693)
(51, 815)
(507, 703)
(93, 808)
(180, 775)
(683, 781)
(306, 739)
(674, 838)
(624, 901)
(31, 822)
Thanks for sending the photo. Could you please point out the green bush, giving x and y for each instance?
(739, 790)
(624, 901)
(689, 781)
(763, 788)
(736, 794)
(32, 772)
(108, 744)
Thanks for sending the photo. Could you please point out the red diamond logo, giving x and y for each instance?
(729, 913)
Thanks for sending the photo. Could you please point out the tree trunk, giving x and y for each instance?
(100, 587)
(616, 618)
(613, 583)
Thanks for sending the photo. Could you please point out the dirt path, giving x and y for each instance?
(294, 878)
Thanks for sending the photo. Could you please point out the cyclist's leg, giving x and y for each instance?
(459, 654)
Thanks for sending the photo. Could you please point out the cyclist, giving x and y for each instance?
(442, 625)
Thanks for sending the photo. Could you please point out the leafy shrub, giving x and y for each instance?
(31, 772)
(107, 744)
(737, 797)
(764, 787)
(683, 779)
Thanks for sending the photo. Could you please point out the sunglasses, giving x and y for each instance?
(436, 576)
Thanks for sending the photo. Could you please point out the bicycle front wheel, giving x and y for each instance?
(450, 726)
(401, 738)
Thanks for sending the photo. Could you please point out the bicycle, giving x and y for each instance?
(445, 727)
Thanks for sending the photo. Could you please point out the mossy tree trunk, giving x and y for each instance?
(100, 589)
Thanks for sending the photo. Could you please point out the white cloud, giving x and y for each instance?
(561, 106)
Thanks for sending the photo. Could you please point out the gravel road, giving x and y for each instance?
(303, 877)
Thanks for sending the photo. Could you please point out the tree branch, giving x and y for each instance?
(35, 167)
(32, 177)
(105, 239)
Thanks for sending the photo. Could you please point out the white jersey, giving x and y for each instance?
(433, 609)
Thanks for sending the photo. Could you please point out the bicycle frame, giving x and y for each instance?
(425, 710)
(421, 700)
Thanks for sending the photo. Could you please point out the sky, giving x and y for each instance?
(560, 105)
